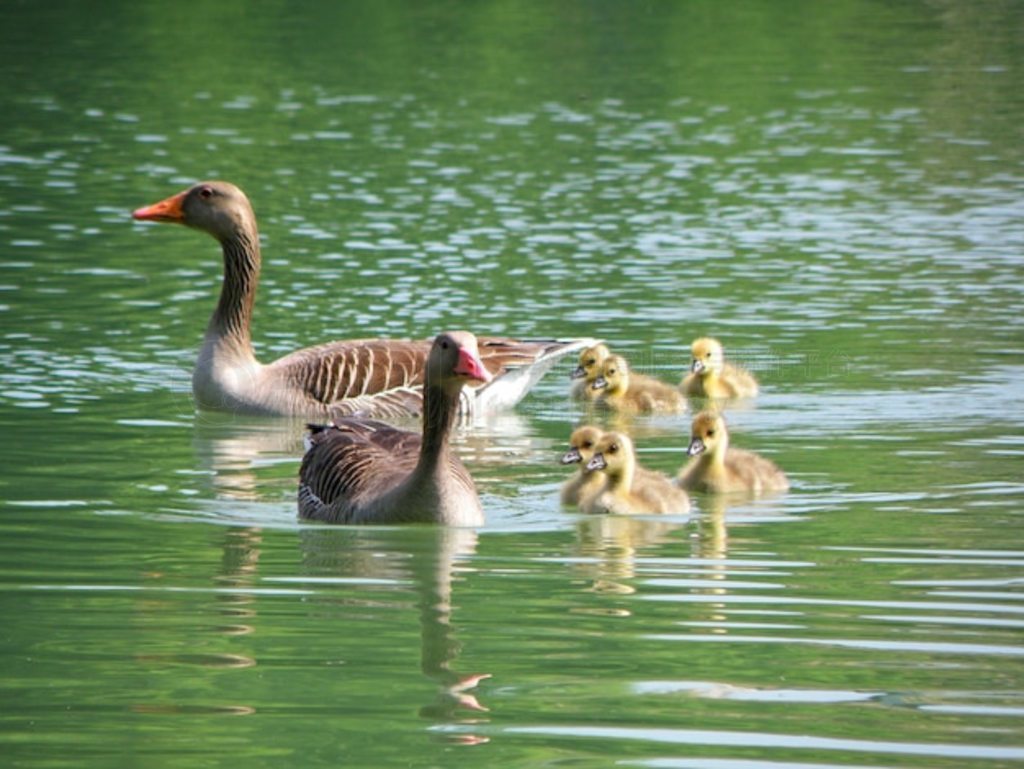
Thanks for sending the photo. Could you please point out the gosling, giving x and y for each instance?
(711, 377)
(585, 483)
(626, 491)
(631, 393)
(587, 371)
(716, 468)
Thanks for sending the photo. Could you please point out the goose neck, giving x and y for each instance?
(622, 477)
(440, 408)
(232, 319)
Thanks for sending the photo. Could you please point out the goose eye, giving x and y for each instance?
(206, 192)
(444, 345)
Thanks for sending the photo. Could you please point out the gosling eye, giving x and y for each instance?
(444, 345)
(588, 444)
(613, 448)
(711, 433)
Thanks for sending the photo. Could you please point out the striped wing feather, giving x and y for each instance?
(383, 378)
(351, 463)
(334, 372)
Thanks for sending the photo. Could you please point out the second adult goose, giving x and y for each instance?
(373, 377)
(358, 470)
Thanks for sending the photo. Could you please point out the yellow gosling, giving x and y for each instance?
(626, 490)
(632, 393)
(715, 467)
(711, 377)
(585, 483)
(587, 370)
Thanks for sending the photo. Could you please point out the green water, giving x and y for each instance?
(834, 189)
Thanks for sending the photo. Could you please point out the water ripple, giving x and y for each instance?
(767, 740)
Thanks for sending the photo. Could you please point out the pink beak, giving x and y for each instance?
(471, 367)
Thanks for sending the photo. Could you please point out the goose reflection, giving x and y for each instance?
(711, 548)
(426, 558)
(238, 452)
(610, 546)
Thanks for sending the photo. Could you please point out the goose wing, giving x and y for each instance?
(383, 378)
(350, 462)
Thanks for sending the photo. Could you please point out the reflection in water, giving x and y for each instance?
(611, 544)
(235, 599)
(232, 449)
(423, 557)
(711, 547)
(239, 563)
(235, 449)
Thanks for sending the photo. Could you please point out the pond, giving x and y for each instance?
(835, 190)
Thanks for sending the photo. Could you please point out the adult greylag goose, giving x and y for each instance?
(626, 491)
(633, 393)
(371, 377)
(718, 468)
(359, 470)
(588, 369)
(712, 377)
(584, 483)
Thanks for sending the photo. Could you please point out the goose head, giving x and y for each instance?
(590, 361)
(613, 453)
(581, 445)
(706, 356)
(454, 360)
(218, 208)
(707, 434)
(614, 376)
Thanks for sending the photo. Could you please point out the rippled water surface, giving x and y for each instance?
(833, 189)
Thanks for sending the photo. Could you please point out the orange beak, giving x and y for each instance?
(165, 211)
(471, 367)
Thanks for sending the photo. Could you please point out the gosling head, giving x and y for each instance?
(707, 356)
(614, 377)
(613, 453)
(590, 362)
(582, 443)
(707, 434)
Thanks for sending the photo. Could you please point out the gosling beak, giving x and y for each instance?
(697, 366)
(599, 384)
(571, 457)
(597, 462)
(470, 366)
(696, 447)
(578, 373)
(168, 210)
